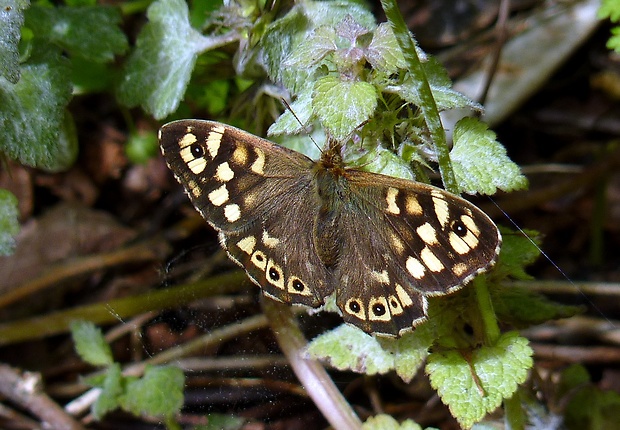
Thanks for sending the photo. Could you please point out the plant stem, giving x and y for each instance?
(310, 373)
(427, 105)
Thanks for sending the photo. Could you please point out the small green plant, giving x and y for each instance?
(158, 393)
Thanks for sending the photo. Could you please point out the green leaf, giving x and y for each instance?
(331, 13)
(287, 123)
(159, 393)
(386, 422)
(383, 51)
(480, 162)
(410, 350)
(475, 386)
(158, 70)
(378, 159)
(310, 52)
(222, 422)
(90, 343)
(111, 392)
(519, 250)
(9, 222)
(349, 348)
(521, 307)
(142, 147)
(11, 21)
(609, 9)
(343, 105)
(593, 408)
(89, 32)
(34, 128)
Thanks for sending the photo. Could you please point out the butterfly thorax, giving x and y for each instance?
(332, 191)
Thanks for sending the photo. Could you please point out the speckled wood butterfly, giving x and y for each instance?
(304, 230)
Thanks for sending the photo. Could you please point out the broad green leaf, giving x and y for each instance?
(159, 393)
(386, 422)
(158, 70)
(383, 51)
(111, 391)
(609, 9)
(90, 32)
(410, 350)
(90, 343)
(287, 123)
(310, 52)
(34, 128)
(331, 13)
(342, 106)
(349, 348)
(480, 162)
(377, 159)
(11, 21)
(9, 222)
(475, 385)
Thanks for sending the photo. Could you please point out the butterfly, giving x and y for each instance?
(305, 230)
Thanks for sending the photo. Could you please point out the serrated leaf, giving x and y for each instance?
(72, 28)
(90, 343)
(159, 393)
(349, 348)
(310, 52)
(475, 386)
(287, 123)
(331, 13)
(410, 351)
(111, 391)
(158, 70)
(9, 222)
(33, 126)
(383, 51)
(11, 21)
(386, 422)
(343, 105)
(480, 162)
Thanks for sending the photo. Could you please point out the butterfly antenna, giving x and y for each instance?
(306, 129)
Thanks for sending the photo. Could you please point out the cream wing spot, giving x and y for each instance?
(240, 155)
(214, 138)
(403, 296)
(378, 309)
(270, 241)
(232, 212)
(430, 260)
(274, 275)
(413, 207)
(247, 244)
(381, 277)
(219, 196)
(415, 267)
(258, 166)
(298, 287)
(459, 269)
(441, 208)
(259, 259)
(395, 306)
(458, 244)
(197, 165)
(428, 234)
(194, 188)
(355, 308)
(390, 199)
(187, 140)
(224, 173)
(397, 243)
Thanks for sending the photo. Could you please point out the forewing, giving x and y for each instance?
(422, 242)
(247, 188)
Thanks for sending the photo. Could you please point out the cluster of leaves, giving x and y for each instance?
(158, 393)
(358, 80)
